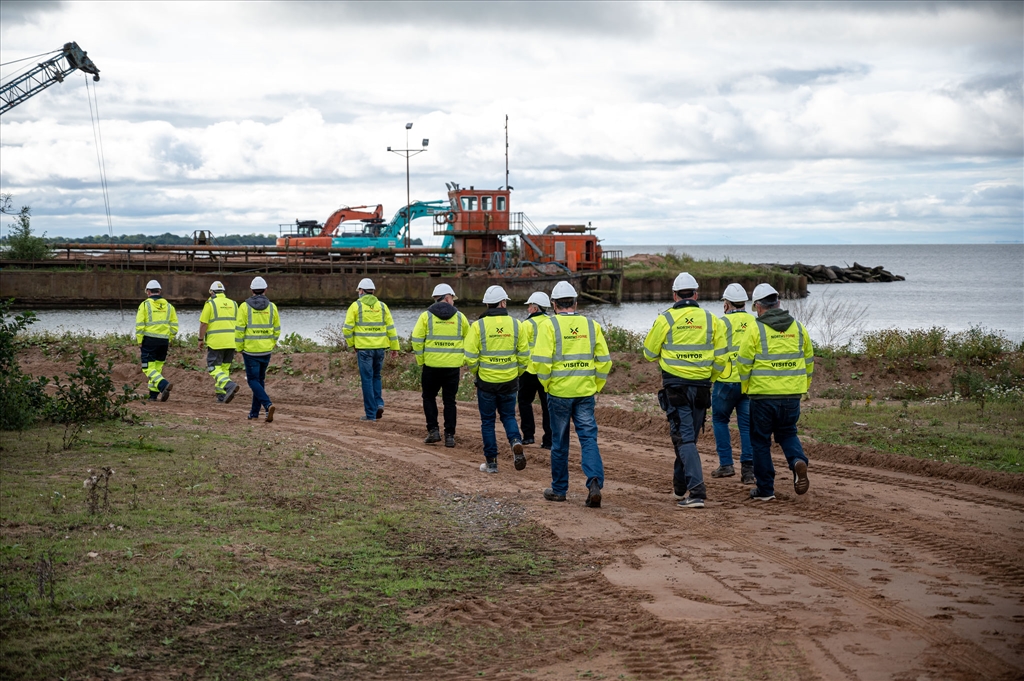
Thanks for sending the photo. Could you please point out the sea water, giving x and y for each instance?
(953, 286)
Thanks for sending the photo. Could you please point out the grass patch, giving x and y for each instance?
(225, 554)
(951, 431)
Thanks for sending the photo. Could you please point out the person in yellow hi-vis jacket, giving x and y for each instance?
(529, 387)
(370, 329)
(497, 353)
(437, 341)
(689, 345)
(571, 360)
(727, 396)
(257, 328)
(156, 323)
(217, 332)
(776, 362)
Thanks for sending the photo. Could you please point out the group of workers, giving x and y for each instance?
(756, 366)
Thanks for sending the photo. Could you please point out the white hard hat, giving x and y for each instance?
(444, 290)
(494, 294)
(762, 291)
(258, 284)
(735, 293)
(540, 299)
(153, 285)
(217, 286)
(685, 282)
(563, 289)
(366, 284)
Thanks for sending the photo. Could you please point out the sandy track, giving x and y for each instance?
(874, 574)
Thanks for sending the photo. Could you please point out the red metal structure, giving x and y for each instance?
(480, 218)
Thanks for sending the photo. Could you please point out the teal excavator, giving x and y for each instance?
(392, 234)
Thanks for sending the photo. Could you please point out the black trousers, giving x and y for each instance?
(445, 380)
(529, 386)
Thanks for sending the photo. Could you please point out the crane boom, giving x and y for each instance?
(45, 74)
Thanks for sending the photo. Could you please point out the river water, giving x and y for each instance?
(955, 286)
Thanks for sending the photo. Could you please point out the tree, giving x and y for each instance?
(20, 243)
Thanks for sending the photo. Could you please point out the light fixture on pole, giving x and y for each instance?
(408, 153)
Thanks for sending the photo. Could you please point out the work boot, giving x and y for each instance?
(270, 414)
(528, 441)
(800, 481)
(166, 392)
(380, 413)
(550, 495)
(723, 472)
(491, 466)
(434, 436)
(231, 389)
(518, 456)
(594, 497)
(449, 440)
(747, 474)
(220, 398)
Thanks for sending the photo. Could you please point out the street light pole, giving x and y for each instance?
(408, 153)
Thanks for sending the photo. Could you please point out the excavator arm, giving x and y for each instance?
(399, 225)
(45, 74)
(346, 213)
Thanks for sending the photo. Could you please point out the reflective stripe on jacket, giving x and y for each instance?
(688, 342)
(219, 314)
(156, 318)
(736, 325)
(777, 363)
(496, 349)
(439, 342)
(257, 331)
(369, 325)
(570, 356)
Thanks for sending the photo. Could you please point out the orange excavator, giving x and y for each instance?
(312, 234)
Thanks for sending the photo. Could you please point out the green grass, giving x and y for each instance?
(957, 432)
(674, 263)
(209, 541)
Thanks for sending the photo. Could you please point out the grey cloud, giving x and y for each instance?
(580, 17)
(796, 77)
(1008, 9)
(15, 12)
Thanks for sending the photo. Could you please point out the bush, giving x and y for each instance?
(904, 343)
(977, 346)
(293, 342)
(21, 397)
(88, 393)
(623, 340)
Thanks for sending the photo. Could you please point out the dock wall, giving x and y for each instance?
(114, 288)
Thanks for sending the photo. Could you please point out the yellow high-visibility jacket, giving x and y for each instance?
(369, 325)
(219, 315)
(737, 324)
(570, 356)
(439, 342)
(530, 326)
(496, 349)
(156, 318)
(776, 363)
(688, 342)
(257, 331)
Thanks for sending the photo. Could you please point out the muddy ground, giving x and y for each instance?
(886, 569)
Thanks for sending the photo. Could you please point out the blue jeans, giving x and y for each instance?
(725, 398)
(505, 406)
(256, 377)
(370, 363)
(776, 417)
(683, 423)
(580, 410)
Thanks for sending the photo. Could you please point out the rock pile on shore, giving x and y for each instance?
(833, 274)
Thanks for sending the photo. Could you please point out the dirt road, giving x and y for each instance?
(874, 574)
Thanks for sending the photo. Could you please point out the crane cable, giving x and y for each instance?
(15, 61)
(97, 136)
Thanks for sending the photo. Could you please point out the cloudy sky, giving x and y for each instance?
(660, 123)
